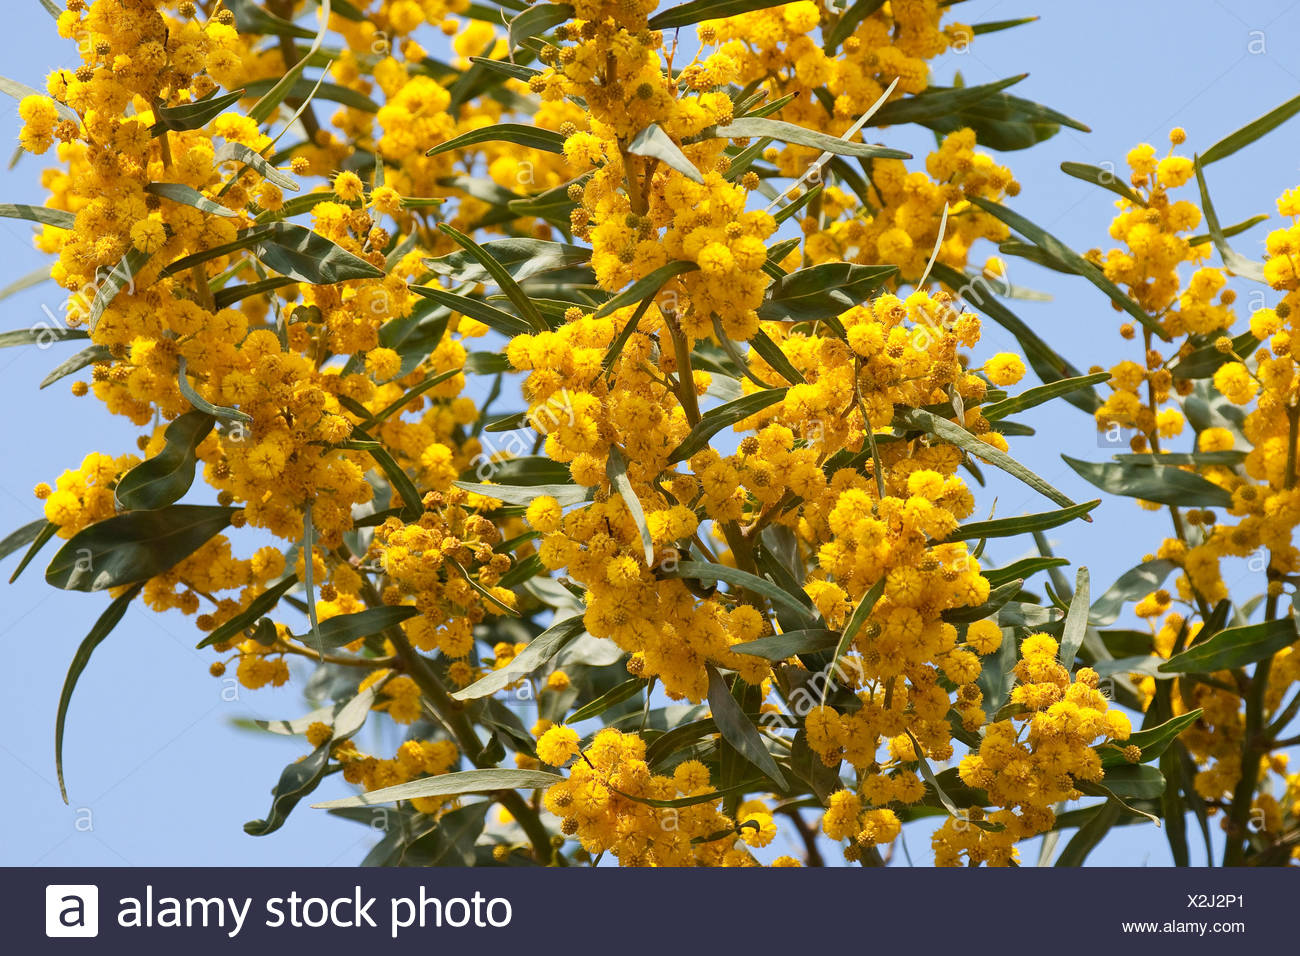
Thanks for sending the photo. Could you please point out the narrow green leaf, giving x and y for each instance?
(450, 785)
(857, 619)
(1251, 131)
(20, 91)
(42, 538)
(1019, 570)
(1162, 483)
(540, 650)
(239, 152)
(89, 356)
(303, 88)
(260, 605)
(536, 20)
(493, 318)
(705, 571)
(164, 479)
(1153, 741)
(615, 695)
(1101, 818)
(121, 275)
(779, 647)
(738, 730)
(512, 70)
(1006, 527)
(1076, 621)
(749, 126)
(1133, 584)
(530, 137)
(501, 276)
(524, 495)
(1105, 178)
(296, 781)
(956, 435)
(697, 11)
(1233, 261)
(202, 404)
(270, 101)
(1040, 394)
(21, 537)
(771, 353)
(849, 22)
(59, 218)
(822, 291)
(654, 142)
(1059, 250)
(616, 471)
(1234, 647)
(103, 627)
(343, 629)
(522, 257)
(723, 416)
(129, 548)
(193, 115)
(646, 287)
(300, 253)
(398, 479)
(935, 104)
(189, 196)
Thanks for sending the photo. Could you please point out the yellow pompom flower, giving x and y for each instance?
(1005, 368)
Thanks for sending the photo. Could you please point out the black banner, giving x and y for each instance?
(197, 911)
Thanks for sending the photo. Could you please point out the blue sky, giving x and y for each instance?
(158, 773)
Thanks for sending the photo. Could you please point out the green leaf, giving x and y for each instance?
(42, 335)
(501, 276)
(202, 404)
(957, 435)
(655, 143)
(1197, 458)
(646, 287)
(822, 291)
(194, 115)
(1129, 782)
(849, 21)
(59, 218)
(1161, 483)
(270, 101)
(20, 91)
(1153, 741)
(771, 353)
(939, 103)
(993, 26)
(22, 536)
(239, 152)
(1105, 178)
(1076, 621)
(103, 627)
(164, 479)
(1101, 818)
(42, 538)
(432, 381)
(1081, 266)
(998, 598)
(530, 137)
(779, 647)
(737, 730)
(298, 252)
(1006, 527)
(129, 548)
(1233, 261)
(343, 629)
(1234, 647)
(616, 471)
(616, 695)
(524, 495)
(34, 278)
(540, 650)
(1251, 131)
(189, 196)
(296, 781)
(303, 88)
(723, 416)
(1046, 363)
(705, 571)
(451, 840)
(1202, 238)
(857, 619)
(749, 126)
(536, 20)
(122, 274)
(1019, 570)
(699, 10)
(260, 605)
(450, 785)
(1205, 361)
(399, 480)
(523, 258)
(89, 356)
(493, 318)
(1133, 584)
(512, 70)
(1040, 394)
